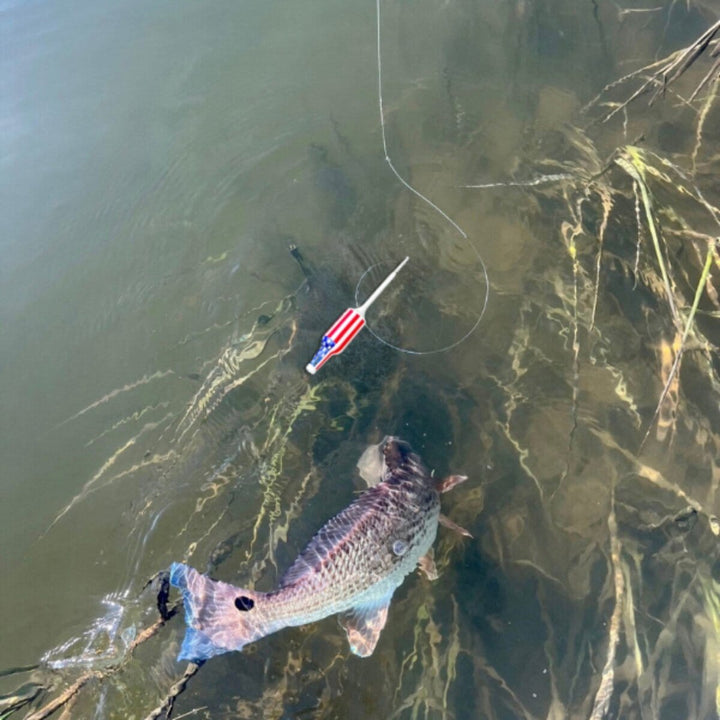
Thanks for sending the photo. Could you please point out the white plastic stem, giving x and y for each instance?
(361, 310)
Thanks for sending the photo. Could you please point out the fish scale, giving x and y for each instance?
(351, 567)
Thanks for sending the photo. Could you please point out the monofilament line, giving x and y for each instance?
(432, 205)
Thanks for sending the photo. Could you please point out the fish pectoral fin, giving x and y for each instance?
(445, 521)
(450, 482)
(427, 564)
(363, 625)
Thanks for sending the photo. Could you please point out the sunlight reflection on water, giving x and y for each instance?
(157, 327)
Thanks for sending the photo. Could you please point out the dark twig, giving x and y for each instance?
(671, 69)
(66, 696)
(165, 709)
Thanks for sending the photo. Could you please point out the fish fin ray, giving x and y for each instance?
(363, 625)
(445, 521)
(449, 482)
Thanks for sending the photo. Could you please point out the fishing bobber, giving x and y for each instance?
(347, 326)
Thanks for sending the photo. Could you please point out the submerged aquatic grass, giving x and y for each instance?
(583, 415)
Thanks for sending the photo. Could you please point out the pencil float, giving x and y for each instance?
(347, 326)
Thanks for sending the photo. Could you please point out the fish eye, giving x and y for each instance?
(399, 547)
(244, 603)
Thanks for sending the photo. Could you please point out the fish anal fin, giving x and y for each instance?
(449, 482)
(445, 521)
(427, 564)
(363, 626)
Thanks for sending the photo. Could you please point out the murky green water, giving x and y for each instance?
(157, 163)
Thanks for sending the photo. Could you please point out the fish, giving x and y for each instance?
(350, 568)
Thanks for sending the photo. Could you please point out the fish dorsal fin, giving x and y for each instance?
(363, 625)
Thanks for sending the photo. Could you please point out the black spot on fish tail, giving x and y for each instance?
(244, 603)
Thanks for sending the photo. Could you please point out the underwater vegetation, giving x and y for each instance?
(585, 409)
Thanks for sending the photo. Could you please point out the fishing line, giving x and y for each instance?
(427, 200)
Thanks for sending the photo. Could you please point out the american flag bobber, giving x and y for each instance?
(347, 326)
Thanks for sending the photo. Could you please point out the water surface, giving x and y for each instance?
(158, 162)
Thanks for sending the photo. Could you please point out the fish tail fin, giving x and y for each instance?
(219, 617)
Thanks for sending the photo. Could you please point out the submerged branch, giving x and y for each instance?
(166, 707)
(66, 696)
(666, 71)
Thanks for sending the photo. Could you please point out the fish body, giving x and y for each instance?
(351, 567)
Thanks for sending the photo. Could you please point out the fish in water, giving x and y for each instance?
(351, 567)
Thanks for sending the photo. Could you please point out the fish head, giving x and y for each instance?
(399, 461)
